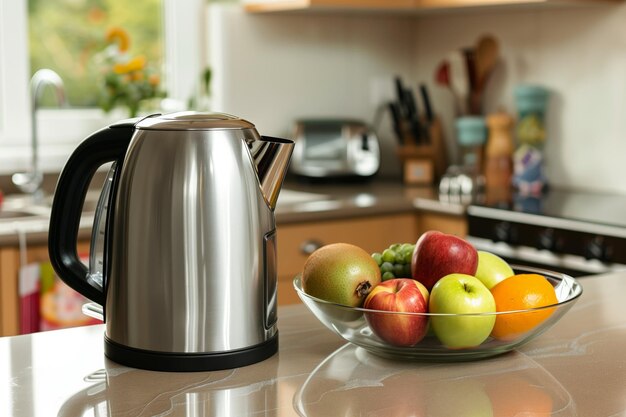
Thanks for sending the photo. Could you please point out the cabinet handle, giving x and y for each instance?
(309, 246)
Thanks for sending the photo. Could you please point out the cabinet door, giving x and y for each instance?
(9, 282)
(446, 223)
(9, 299)
(373, 234)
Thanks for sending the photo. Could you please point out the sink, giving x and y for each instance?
(22, 206)
(13, 214)
(18, 206)
(89, 206)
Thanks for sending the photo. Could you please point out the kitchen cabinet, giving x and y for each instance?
(448, 4)
(261, 6)
(413, 6)
(446, 223)
(295, 242)
(372, 233)
(9, 282)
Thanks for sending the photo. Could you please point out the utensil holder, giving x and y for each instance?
(424, 159)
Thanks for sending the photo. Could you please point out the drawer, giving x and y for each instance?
(451, 224)
(373, 234)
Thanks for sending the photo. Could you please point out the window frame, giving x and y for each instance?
(59, 131)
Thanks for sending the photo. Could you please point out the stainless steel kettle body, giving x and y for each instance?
(190, 242)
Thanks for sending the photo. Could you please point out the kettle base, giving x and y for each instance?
(189, 362)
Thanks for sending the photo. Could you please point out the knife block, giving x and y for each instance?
(424, 159)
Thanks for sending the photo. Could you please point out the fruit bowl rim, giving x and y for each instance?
(574, 286)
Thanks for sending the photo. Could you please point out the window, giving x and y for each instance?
(181, 27)
(67, 36)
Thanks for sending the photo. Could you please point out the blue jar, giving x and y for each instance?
(471, 133)
(528, 161)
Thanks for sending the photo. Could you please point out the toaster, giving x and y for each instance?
(334, 148)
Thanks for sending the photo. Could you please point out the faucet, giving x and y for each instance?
(30, 182)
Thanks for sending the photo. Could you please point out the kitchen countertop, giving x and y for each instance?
(297, 202)
(577, 368)
(349, 200)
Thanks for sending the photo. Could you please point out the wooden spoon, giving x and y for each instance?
(486, 57)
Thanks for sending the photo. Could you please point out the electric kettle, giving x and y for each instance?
(183, 249)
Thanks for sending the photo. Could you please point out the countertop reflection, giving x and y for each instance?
(353, 382)
(577, 368)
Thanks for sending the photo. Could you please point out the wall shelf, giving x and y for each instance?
(405, 6)
(264, 6)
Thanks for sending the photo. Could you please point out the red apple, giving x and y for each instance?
(438, 254)
(398, 295)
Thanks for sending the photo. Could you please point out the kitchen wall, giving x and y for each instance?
(273, 69)
(579, 54)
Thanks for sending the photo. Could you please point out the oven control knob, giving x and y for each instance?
(597, 249)
(503, 232)
(547, 240)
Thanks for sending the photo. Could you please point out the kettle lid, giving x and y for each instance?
(191, 120)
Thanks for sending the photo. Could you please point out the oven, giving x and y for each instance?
(572, 232)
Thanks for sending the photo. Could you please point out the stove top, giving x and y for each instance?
(579, 206)
(585, 228)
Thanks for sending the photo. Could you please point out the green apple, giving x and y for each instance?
(460, 298)
(492, 269)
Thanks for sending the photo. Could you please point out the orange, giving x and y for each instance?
(521, 292)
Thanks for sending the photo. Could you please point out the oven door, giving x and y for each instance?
(574, 248)
(576, 266)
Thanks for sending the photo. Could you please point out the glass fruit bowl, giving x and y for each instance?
(353, 323)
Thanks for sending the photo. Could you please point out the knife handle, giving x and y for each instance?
(426, 99)
(397, 121)
(411, 104)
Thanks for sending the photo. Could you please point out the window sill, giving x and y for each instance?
(59, 132)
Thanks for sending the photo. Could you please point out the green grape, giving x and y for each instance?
(395, 261)
(407, 247)
(386, 267)
(389, 255)
(387, 276)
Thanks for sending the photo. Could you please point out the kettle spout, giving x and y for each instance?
(271, 157)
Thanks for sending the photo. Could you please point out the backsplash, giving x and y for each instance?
(273, 69)
(578, 53)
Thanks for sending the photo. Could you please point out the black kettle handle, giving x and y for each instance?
(106, 145)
